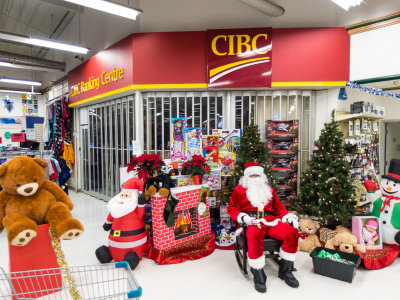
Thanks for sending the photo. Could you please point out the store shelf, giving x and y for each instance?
(346, 116)
(359, 204)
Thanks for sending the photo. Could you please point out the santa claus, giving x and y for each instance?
(127, 239)
(255, 203)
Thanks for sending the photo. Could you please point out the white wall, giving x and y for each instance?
(375, 53)
(17, 111)
(327, 100)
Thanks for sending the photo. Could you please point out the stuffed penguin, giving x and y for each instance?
(387, 206)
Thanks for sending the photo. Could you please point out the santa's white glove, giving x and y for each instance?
(291, 219)
(245, 218)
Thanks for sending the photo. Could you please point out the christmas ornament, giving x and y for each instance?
(8, 104)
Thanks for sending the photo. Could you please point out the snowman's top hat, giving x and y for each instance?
(394, 171)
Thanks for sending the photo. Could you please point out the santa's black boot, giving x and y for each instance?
(133, 259)
(103, 254)
(285, 273)
(259, 280)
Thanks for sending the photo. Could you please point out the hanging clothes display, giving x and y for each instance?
(59, 136)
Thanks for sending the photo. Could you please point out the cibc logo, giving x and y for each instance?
(239, 43)
(239, 58)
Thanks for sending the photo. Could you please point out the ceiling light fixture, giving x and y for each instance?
(266, 7)
(41, 42)
(109, 7)
(18, 92)
(346, 4)
(20, 81)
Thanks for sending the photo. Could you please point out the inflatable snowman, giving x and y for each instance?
(387, 205)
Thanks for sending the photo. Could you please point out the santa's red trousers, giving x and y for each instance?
(282, 232)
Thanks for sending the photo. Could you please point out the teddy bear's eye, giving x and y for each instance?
(18, 185)
(34, 180)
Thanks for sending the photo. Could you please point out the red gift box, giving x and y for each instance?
(29, 266)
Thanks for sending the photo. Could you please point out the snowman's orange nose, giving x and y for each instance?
(389, 188)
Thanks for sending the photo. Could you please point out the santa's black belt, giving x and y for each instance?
(127, 233)
(258, 214)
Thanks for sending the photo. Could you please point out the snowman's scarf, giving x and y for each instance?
(387, 200)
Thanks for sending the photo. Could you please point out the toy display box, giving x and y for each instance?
(229, 139)
(335, 269)
(213, 180)
(367, 229)
(282, 128)
(284, 164)
(178, 139)
(182, 180)
(286, 180)
(284, 146)
(210, 148)
(226, 161)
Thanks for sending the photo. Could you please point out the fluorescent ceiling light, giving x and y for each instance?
(18, 92)
(27, 66)
(346, 4)
(20, 81)
(41, 43)
(109, 7)
(5, 64)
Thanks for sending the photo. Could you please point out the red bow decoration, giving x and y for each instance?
(387, 201)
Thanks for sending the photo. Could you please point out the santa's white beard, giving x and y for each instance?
(119, 207)
(258, 191)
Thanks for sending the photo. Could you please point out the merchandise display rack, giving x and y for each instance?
(282, 141)
(361, 140)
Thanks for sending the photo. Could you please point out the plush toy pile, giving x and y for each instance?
(28, 199)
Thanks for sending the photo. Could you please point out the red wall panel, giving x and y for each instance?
(310, 54)
(169, 57)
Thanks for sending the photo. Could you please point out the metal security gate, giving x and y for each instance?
(106, 131)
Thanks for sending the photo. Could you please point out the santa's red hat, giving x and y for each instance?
(253, 169)
(133, 184)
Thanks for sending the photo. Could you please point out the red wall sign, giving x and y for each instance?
(17, 137)
(239, 58)
(107, 71)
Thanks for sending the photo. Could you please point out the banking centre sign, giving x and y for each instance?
(239, 58)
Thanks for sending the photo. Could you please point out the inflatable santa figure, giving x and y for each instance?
(387, 206)
(127, 238)
(255, 203)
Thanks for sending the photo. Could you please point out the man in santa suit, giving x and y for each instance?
(127, 239)
(255, 203)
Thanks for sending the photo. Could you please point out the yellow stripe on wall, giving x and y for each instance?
(199, 86)
(308, 83)
(142, 87)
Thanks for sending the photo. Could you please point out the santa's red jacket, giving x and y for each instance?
(239, 203)
(131, 225)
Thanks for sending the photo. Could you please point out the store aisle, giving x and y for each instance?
(217, 276)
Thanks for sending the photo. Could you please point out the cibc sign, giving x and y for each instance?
(239, 58)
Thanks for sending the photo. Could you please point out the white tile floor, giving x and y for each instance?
(217, 276)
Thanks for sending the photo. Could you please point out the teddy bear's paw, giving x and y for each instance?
(24, 237)
(71, 234)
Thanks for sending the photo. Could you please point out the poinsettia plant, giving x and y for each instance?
(146, 165)
(196, 166)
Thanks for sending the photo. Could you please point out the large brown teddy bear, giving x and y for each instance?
(308, 239)
(28, 199)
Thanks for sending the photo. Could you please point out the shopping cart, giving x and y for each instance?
(107, 281)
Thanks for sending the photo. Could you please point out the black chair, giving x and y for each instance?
(271, 250)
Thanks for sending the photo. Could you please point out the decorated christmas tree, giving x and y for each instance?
(251, 149)
(326, 189)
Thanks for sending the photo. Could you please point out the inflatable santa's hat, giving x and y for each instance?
(253, 169)
(133, 184)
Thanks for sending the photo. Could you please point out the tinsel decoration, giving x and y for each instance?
(377, 92)
(69, 280)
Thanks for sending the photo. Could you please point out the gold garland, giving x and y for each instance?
(70, 282)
